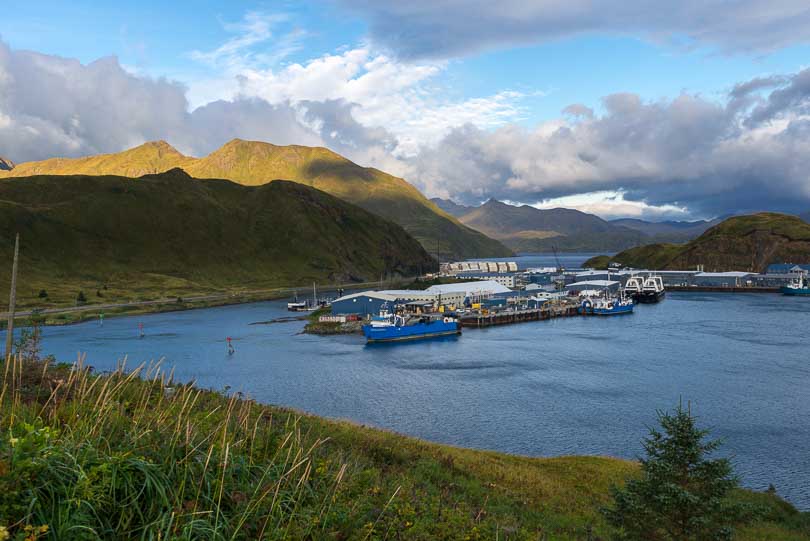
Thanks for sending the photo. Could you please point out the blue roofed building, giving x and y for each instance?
(786, 268)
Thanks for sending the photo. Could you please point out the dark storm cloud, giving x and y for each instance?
(713, 158)
(446, 28)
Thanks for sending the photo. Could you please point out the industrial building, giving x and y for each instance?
(507, 279)
(364, 304)
(723, 279)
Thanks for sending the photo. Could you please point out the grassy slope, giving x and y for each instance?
(171, 235)
(253, 163)
(740, 243)
(196, 464)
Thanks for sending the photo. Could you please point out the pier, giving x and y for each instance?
(507, 317)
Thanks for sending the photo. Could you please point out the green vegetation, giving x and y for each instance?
(682, 493)
(120, 457)
(742, 243)
(169, 235)
(599, 262)
(254, 163)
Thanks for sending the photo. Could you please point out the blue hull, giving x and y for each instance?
(418, 331)
(615, 311)
(795, 291)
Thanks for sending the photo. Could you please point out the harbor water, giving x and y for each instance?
(566, 386)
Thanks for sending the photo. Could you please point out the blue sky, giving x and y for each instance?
(158, 37)
(422, 76)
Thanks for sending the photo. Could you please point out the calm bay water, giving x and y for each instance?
(567, 386)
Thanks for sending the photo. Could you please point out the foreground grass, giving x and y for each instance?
(135, 456)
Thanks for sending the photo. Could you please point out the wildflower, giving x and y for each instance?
(4, 533)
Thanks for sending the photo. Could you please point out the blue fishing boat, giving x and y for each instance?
(388, 327)
(797, 286)
(607, 306)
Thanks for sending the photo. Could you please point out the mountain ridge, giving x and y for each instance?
(254, 163)
(527, 229)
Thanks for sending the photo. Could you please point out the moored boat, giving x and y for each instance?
(606, 306)
(652, 290)
(797, 286)
(388, 327)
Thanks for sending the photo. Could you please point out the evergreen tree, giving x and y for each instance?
(681, 494)
(80, 298)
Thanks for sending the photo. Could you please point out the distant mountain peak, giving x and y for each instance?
(161, 146)
(6, 164)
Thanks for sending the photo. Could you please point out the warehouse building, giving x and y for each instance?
(365, 304)
(723, 279)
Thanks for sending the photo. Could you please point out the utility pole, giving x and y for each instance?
(12, 299)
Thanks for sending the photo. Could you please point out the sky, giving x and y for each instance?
(649, 109)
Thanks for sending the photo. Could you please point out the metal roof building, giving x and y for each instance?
(366, 303)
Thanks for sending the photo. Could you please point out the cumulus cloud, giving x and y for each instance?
(383, 92)
(712, 158)
(446, 28)
(53, 106)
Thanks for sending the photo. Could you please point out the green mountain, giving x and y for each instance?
(253, 163)
(527, 229)
(170, 234)
(741, 243)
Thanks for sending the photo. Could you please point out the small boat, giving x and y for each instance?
(299, 306)
(797, 286)
(388, 327)
(305, 306)
(606, 306)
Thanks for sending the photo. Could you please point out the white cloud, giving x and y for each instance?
(383, 92)
(610, 204)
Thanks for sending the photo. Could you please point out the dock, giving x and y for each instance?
(724, 289)
(508, 317)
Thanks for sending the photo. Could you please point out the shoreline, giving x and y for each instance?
(81, 314)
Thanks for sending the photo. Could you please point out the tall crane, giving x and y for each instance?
(560, 279)
(560, 268)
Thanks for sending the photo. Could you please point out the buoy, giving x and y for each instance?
(230, 346)
(140, 330)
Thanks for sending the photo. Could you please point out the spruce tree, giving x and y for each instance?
(681, 493)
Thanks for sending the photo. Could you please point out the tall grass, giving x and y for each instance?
(132, 455)
(135, 455)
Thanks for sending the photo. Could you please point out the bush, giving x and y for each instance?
(43, 294)
(80, 298)
(682, 494)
